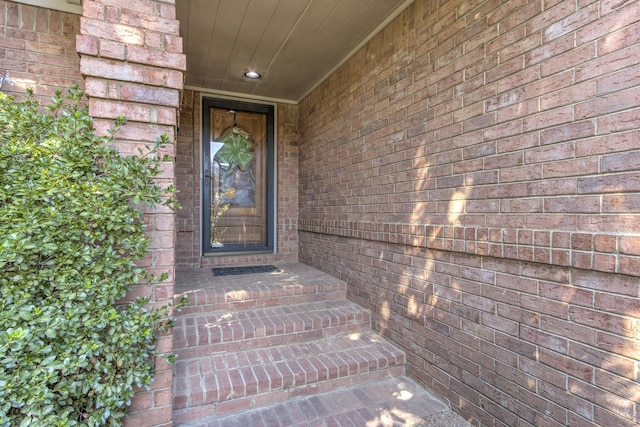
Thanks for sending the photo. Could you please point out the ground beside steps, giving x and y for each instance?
(282, 349)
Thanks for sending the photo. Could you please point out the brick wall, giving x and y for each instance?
(287, 181)
(38, 50)
(472, 173)
(187, 181)
(132, 61)
(188, 170)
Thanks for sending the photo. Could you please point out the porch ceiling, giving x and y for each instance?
(294, 44)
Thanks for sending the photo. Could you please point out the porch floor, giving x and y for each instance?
(191, 280)
(393, 400)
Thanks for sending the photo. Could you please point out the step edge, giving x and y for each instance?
(249, 402)
(191, 332)
(342, 363)
(322, 302)
(184, 353)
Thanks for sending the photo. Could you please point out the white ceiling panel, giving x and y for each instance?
(294, 44)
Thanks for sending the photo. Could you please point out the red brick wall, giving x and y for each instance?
(132, 61)
(472, 173)
(188, 170)
(188, 182)
(38, 50)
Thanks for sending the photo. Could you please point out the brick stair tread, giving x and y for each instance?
(250, 295)
(295, 283)
(200, 334)
(281, 372)
(388, 401)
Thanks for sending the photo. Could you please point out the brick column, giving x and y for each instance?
(132, 61)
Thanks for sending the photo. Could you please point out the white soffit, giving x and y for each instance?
(294, 44)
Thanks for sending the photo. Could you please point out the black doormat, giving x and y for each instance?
(234, 271)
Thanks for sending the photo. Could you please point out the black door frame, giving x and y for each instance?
(269, 110)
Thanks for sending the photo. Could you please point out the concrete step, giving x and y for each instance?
(293, 284)
(386, 402)
(217, 384)
(203, 334)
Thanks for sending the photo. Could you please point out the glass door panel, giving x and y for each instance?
(237, 180)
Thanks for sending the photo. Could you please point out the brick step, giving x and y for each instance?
(221, 331)
(293, 284)
(245, 294)
(218, 384)
(389, 401)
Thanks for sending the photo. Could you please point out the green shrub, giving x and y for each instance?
(70, 236)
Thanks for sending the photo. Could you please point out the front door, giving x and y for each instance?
(238, 177)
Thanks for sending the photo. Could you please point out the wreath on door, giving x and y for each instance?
(238, 149)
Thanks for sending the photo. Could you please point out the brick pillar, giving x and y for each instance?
(132, 61)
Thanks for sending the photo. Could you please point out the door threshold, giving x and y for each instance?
(237, 253)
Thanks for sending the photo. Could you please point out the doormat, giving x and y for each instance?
(234, 271)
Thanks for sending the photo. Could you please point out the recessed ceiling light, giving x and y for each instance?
(252, 75)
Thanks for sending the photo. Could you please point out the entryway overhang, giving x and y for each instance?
(293, 44)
